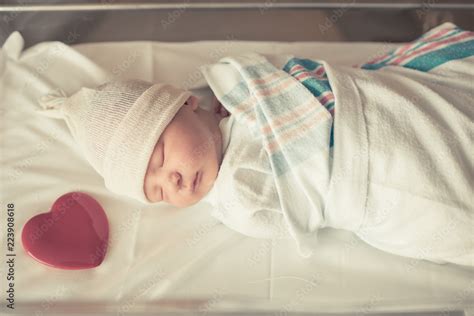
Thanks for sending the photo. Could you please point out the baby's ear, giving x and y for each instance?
(193, 102)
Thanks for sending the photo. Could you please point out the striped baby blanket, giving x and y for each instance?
(295, 129)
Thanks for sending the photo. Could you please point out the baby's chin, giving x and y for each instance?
(195, 199)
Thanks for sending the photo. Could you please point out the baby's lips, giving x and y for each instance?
(219, 109)
(223, 111)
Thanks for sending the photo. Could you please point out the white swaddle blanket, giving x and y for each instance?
(419, 138)
(403, 169)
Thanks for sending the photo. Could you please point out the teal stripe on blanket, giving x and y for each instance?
(237, 95)
(316, 86)
(432, 59)
(439, 57)
(299, 148)
(309, 64)
(422, 42)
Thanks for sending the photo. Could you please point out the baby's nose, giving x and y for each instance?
(176, 179)
(179, 182)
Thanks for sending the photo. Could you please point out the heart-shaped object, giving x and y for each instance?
(72, 235)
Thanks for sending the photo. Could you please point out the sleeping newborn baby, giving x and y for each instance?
(382, 150)
(186, 158)
(151, 142)
(157, 143)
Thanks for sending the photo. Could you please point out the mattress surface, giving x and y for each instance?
(161, 252)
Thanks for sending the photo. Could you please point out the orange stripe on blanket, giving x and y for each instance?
(291, 135)
(291, 117)
(319, 71)
(287, 83)
(267, 79)
(303, 76)
(246, 108)
(325, 99)
(296, 68)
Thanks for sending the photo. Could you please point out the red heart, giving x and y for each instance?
(72, 235)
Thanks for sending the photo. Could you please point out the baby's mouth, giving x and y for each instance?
(197, 180)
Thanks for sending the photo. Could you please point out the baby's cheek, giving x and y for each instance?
(200, 151)
(199, 148)
(146, 187)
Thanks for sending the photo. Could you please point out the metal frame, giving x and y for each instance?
(234, 5)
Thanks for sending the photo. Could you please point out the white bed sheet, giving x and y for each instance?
(162, 252)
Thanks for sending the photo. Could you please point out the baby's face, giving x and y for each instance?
(186, 158)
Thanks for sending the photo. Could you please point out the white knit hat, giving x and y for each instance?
(117, 126)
